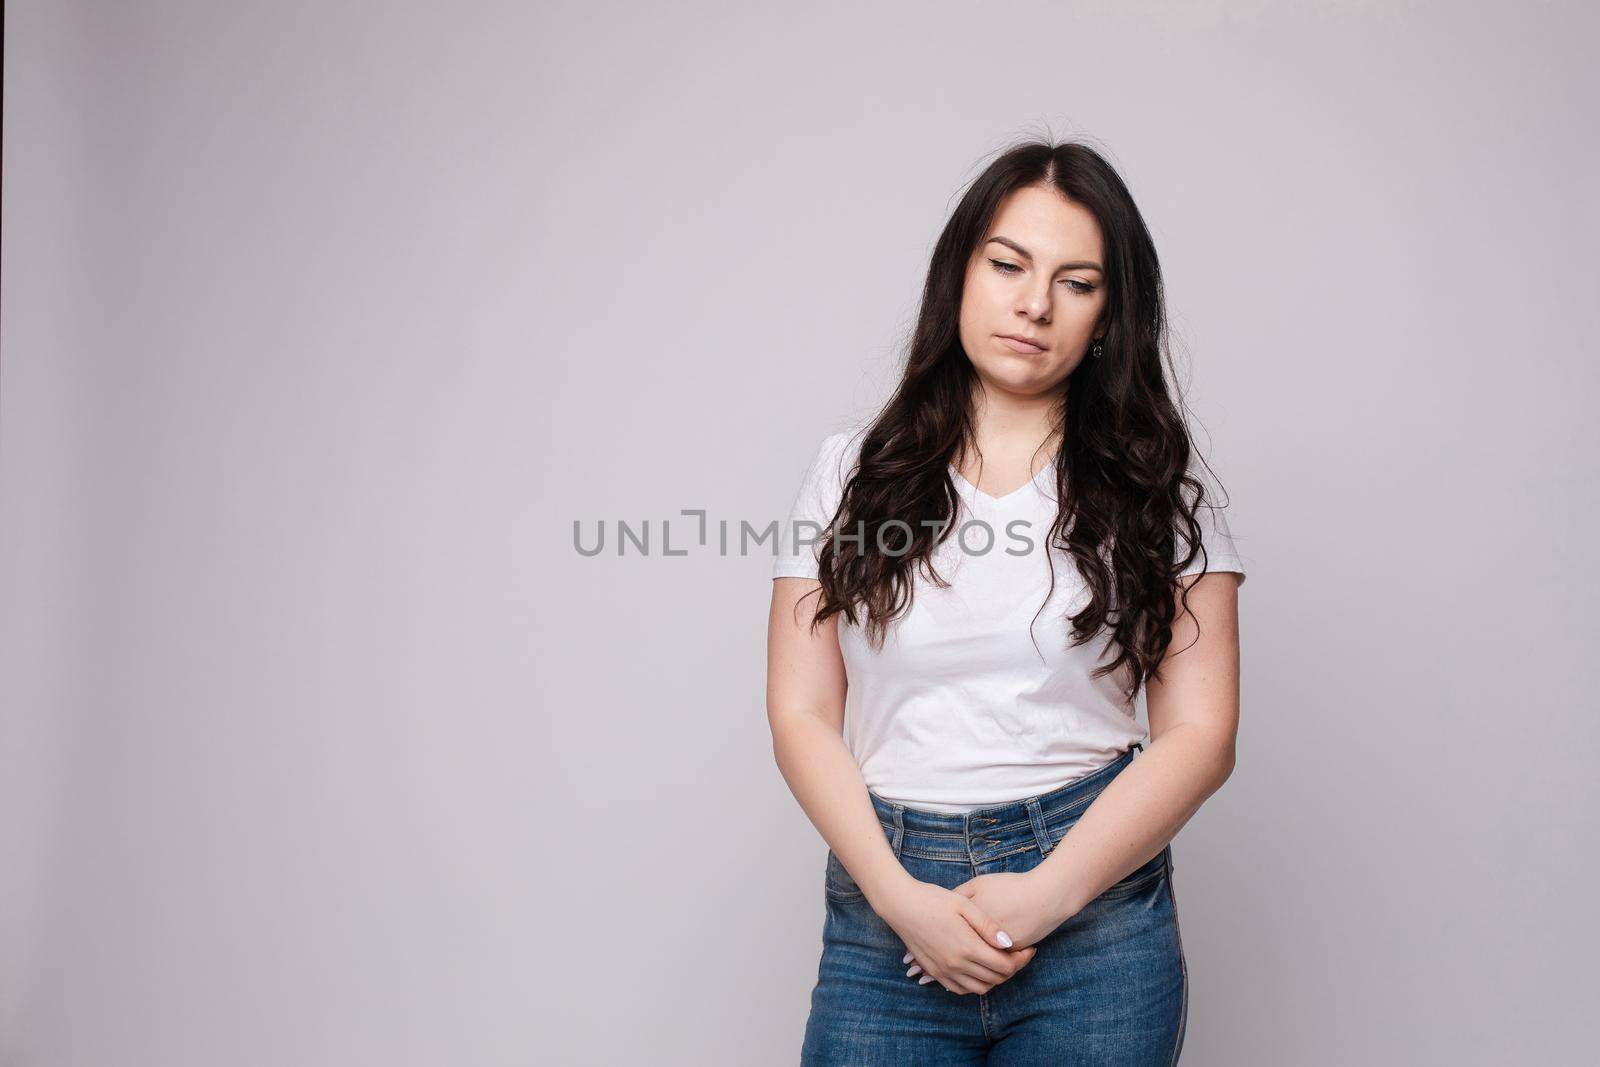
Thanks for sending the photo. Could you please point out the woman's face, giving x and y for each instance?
(1037, 275)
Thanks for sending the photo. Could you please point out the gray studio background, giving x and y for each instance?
(323, 322)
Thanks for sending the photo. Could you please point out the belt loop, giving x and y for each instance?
(1040, 834)
(898, 838)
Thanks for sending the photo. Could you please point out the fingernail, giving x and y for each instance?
(925, 979)
(1004, 938)
(906, 958)
(915, 968)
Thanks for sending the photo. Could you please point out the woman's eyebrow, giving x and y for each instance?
(1077, 264)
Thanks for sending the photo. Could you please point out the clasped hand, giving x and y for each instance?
(971, 938)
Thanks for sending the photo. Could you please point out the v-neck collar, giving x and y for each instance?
(1016, 493)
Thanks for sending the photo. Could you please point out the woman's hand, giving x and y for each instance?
(1018, 901)
(952, 939)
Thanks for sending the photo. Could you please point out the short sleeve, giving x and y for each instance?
(800, 536)
(1220, 552)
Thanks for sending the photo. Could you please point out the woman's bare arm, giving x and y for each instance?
(1194, 722)
(805, 709)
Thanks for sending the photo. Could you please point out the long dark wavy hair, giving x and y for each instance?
(1122, 470)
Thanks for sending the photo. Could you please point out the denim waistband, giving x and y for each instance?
(995, 831)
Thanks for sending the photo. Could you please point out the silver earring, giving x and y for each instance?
(1096, 352)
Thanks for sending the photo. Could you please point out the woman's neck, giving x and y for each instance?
(1013, 430)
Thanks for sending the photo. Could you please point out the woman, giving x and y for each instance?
(1017, 544)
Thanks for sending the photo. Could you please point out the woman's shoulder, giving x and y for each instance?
(848, 438)
(840, 451)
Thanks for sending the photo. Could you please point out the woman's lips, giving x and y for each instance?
(1021, 346)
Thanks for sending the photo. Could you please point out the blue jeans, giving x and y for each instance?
(1108, 986)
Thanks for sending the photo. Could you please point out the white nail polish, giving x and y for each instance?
(925, 979)
(906, 958)
(1003, 938)
(912, 972)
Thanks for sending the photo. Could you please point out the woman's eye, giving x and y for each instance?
(1011, 268)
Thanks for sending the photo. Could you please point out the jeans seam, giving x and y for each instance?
(1048, 816)
(1183, 964)
(841, 896)
(962, 857)
(1122, 889)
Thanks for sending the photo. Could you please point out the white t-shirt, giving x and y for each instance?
(959, 710)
